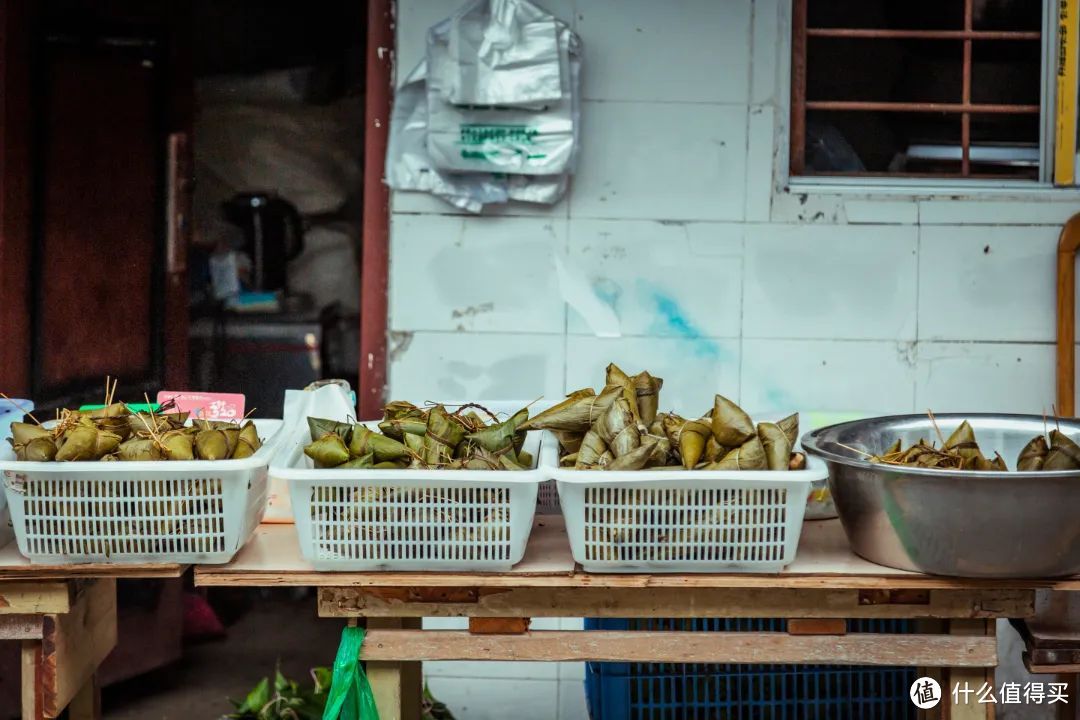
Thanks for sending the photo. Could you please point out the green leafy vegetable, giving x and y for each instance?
(286, 701)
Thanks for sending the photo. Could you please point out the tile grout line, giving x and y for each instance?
(740, 337)
(565, 305)
(574, 10)
(558, 697)
(918, 286)
(749, 105)
(742, 310)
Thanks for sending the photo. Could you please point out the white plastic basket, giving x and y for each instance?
(137, 512)
(685, 521)
(7, 532)
(10, 411)
(401, 519)
(547, 499)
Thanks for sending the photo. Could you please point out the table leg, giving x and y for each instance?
(932, 626)
(1070, 711)
(31, 681)
(969, 707)
(58, 668)
(397, 686)
(86, 705)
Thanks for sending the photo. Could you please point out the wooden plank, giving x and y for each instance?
(1051, 668)
(894, 597)
(74, 645)
(969, 707)
(1051, 641)
(665, 602)
(425, 596)
(86, 705)
(1056, 623)
(824, 561)
(272, 557)
(21, 627)
(817, 626)
(14, 566)
(932, 626)
(34, 598)
(684, 647)
(499, 626)
(396, 685)
(31, 695)
(1068, 244)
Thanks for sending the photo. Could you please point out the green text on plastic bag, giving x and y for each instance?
(350, 693)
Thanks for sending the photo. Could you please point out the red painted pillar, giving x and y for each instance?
(375, 249)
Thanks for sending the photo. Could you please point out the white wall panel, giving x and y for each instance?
(676, 51)
(855, 282)
(987, 283)
(485, 274)
(647, 271)
(827, 375)
(456, 366)
(985, 377)
(661, 161)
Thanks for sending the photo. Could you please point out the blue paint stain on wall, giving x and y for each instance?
(778, 399)
(607, 290)
(673, 320)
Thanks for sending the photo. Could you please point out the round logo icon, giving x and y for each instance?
(925, 693)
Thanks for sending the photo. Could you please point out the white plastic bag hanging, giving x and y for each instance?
(493, 164)
(408, 166)
(521, 134)
(505, 52)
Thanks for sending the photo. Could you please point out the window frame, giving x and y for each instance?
(927, 186)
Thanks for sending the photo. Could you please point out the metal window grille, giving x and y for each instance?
(963, 106)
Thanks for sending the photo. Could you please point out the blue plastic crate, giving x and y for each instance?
(700, 691)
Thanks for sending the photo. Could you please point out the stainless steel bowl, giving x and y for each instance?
(949, 522)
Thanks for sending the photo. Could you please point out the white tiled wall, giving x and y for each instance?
(721, 280)
(498, 691)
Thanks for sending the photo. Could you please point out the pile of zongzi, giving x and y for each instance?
(114, 432)
(960, 451)
(621, 429)
(422, 438)
(410, 437)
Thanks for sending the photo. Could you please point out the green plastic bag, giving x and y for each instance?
(350, 692)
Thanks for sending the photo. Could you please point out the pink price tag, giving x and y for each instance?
(207, 406)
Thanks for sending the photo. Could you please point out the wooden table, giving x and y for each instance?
(65, 617)
(825, 585)
(1052, 638)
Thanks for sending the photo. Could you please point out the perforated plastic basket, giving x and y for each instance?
(7, 533)
(137, 512)
(685, 521)
(672, 691)
(411, 519)
(10, 411)
(547, 499)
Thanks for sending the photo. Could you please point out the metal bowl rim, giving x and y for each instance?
(809, 443)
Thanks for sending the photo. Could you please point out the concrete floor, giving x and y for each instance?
(280, 626)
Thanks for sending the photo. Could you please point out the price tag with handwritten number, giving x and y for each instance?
(205, 405)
